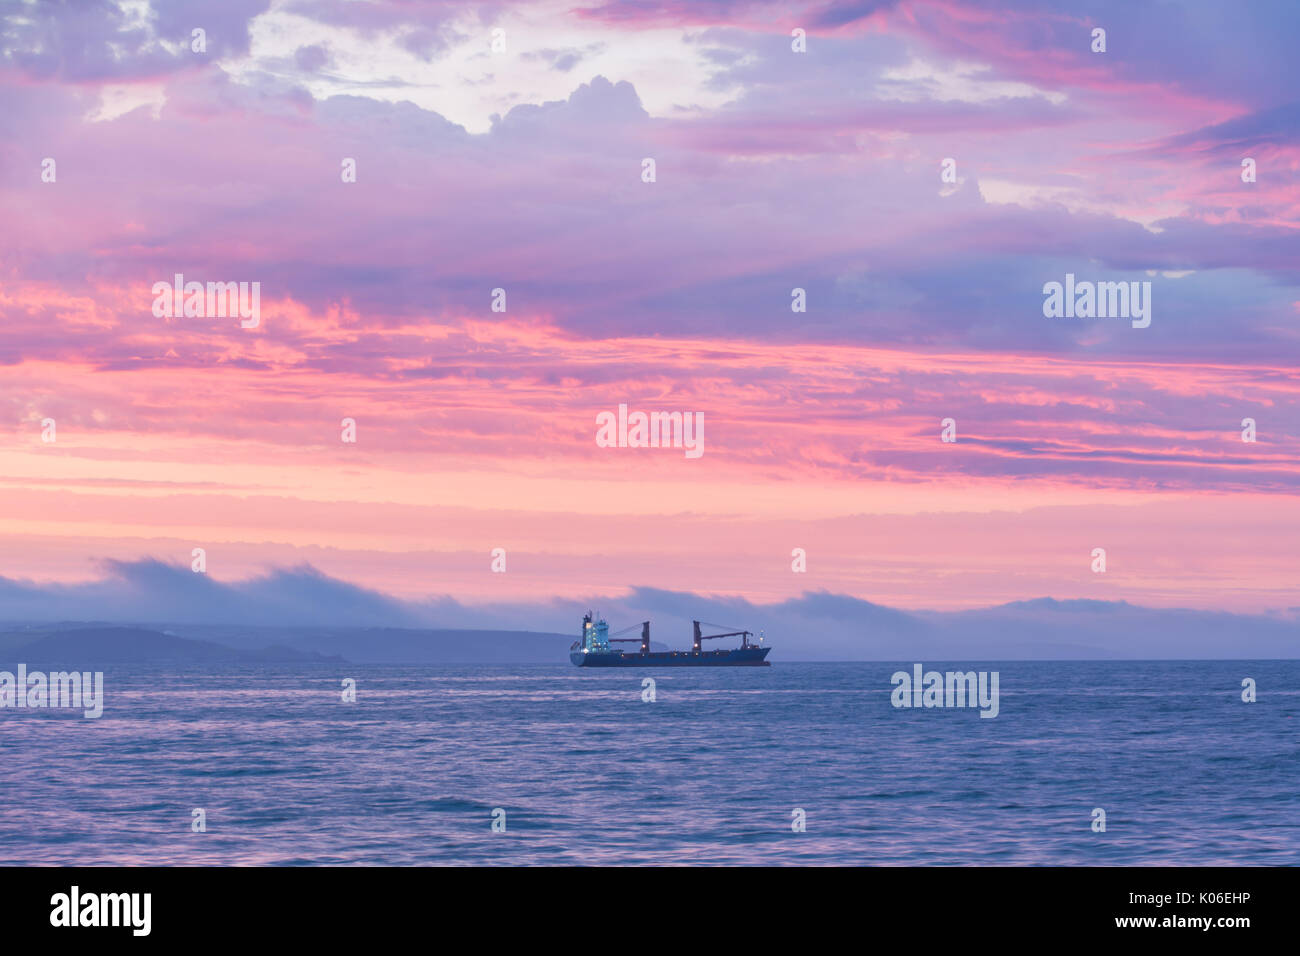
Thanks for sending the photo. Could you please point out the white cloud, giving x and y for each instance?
(467, 83)
(961, 82)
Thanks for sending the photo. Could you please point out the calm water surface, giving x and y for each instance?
(709, 773)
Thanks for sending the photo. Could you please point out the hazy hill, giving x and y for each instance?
(385, 645)
(90, 646)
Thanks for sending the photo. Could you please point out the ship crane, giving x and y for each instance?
(644, 638)
(743, 635)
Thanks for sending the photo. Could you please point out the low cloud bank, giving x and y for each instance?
(814, 626)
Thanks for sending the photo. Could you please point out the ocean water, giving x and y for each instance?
(710, 772)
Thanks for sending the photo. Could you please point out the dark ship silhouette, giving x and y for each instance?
(594, 649)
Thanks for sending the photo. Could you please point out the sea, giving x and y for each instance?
(799, 763)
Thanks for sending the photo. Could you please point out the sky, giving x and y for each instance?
(522, 168)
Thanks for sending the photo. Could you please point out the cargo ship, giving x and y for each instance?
(594, 649)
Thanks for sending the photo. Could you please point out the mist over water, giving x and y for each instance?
(588, 773)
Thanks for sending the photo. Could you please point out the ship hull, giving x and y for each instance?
(738, 657)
